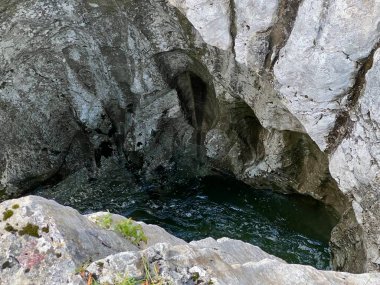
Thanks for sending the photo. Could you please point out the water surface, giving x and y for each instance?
(292, 227)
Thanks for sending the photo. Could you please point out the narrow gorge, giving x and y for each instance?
(250, 120)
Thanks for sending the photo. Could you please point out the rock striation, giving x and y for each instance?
(64, 247)
(282, 94)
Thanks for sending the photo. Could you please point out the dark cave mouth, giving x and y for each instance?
(293, 227)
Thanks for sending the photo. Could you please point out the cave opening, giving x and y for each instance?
(198, 103)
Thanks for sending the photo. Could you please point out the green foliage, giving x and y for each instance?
(129, 281)
(10, 228)
(94, 282)
(45, 229)
(105, 221)
(127, 228)
(195, 276)
(149, 278)
(131, 231)
(15, 206)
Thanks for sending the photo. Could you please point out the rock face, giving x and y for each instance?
(63, 247)
(90, 80)
(43, 242)
(279, 93)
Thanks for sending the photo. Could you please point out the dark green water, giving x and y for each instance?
(293, 227)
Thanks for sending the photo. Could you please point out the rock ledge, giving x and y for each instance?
(43, 242)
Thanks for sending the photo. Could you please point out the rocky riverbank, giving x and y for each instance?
(43, 242)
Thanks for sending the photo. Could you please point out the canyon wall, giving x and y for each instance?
(279, 93)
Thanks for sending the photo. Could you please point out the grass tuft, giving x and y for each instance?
(127, 228)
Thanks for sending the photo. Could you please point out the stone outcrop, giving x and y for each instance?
(94, 79)
(64, 247)
(43, 242)
(323, 62)
(279, 93)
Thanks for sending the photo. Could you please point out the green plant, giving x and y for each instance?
(94, 282)
(149, 278)
(131, 231)
(129, 281)
(104, 221)
(83, 267)
(127, 228)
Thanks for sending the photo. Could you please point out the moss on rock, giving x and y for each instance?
(10, 228)
(15, 206)
(30, 229)
(7, 214)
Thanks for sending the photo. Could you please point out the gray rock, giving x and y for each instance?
(62, 247)
(42, 242)
(155, 233)
(212, 20)
(209, 261)
(322, 61)
(355, 164)
(287, 91)
(118, 80)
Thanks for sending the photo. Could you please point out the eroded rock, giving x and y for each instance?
(83, 80)
(43, 242)
(52, 244)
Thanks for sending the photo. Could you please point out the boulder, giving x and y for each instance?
(42, 242)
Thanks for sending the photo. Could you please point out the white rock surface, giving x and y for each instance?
(355, 163)
(210, 18)
(319, 63)
(254, 18)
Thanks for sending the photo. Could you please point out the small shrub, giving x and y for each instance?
(131, 231)
(126, 228)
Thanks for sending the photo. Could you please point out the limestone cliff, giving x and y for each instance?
(280, 93)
